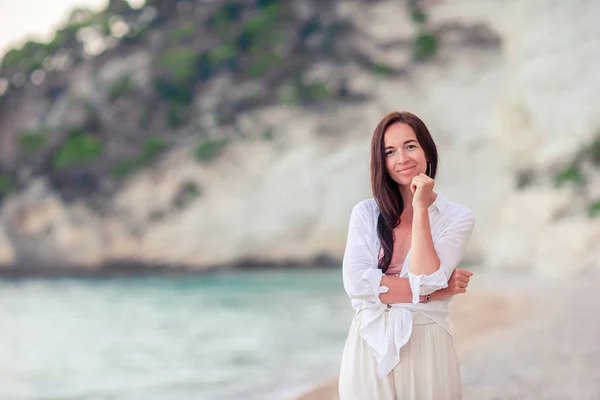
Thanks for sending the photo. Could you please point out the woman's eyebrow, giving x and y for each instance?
(405, 143)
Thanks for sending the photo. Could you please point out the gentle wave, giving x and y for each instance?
(241, 335)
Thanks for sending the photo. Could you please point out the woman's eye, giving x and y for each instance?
(389, 152)
(411, 146)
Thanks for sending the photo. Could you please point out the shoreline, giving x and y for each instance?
(133, 269)
(472, 324)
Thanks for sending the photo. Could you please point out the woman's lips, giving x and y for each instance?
(405, 170)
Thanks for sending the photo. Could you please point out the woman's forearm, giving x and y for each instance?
(441, 294)
(424, 259)
(399, 291)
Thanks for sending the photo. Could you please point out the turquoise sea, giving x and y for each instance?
(238, 335)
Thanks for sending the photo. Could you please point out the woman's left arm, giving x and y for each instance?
(431, 265)
(424, 259)
(429, 272)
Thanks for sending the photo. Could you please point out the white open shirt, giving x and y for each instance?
(451, 227)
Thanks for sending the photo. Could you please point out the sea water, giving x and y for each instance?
(237, 335)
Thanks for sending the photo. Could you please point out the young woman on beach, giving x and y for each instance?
(399, 270)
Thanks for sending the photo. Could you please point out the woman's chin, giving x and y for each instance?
(403, 182)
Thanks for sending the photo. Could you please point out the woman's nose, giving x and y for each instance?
(402, 157)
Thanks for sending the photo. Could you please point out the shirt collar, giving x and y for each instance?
(440, 202)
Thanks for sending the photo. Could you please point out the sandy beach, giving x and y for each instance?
(494, 306)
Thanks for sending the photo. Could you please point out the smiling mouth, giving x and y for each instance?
(406, 169)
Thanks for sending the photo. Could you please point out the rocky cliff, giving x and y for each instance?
(218, 133)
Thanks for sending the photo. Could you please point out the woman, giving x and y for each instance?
(399, 270)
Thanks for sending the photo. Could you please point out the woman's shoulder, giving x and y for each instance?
(453, 210)
(366, 207)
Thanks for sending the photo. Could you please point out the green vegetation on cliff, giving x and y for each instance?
(116, 88)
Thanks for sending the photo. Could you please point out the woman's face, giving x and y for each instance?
(404, 156)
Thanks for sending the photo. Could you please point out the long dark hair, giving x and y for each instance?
(385, 190)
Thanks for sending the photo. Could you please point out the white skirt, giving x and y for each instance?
(428, 368)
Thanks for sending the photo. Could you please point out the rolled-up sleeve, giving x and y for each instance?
(362, 278)
(450, 247)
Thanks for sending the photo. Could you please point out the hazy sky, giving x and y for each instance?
(38, 19)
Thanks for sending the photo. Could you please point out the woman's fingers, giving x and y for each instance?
(463, 272)
(459, 280)
(422, 179)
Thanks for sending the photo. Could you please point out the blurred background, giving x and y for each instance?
(177, 176)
